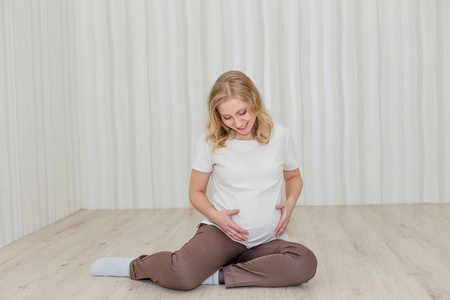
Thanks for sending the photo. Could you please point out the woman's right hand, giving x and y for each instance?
(197, 195)
(223, 220)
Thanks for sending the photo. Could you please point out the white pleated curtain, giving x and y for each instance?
(103, 99)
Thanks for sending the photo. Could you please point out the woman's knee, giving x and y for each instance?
(305, 263)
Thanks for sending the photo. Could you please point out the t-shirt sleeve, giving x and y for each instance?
(201, 156)
(290, 161)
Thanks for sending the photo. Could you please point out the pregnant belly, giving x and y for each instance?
(259, 224)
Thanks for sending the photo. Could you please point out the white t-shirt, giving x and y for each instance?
(249, 176)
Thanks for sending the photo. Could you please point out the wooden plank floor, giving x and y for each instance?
(364, 252)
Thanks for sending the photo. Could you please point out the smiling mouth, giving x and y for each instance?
(243, 128)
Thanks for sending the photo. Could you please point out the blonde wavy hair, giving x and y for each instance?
(236, 85)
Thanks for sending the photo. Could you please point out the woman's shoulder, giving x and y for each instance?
(202, 140)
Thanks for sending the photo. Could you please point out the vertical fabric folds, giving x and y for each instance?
(101, 101)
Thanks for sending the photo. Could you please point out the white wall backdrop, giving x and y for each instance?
(101, 100)
(361, 84)
(39, 148)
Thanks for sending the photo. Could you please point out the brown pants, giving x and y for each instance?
(277, 263)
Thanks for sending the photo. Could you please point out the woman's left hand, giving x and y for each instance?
(286, 211)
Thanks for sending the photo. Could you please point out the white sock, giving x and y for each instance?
(112, 266)
(213, 279)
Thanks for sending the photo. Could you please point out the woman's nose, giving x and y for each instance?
(238, 123)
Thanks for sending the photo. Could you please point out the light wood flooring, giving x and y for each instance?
(364, 252)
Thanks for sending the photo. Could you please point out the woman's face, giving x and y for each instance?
(236, 115)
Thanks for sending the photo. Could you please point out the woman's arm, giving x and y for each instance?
(294, 186)
(197, 195)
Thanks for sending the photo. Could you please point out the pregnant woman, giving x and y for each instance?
(242, 240)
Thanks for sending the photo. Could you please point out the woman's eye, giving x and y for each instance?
(226, 118)
(243, 113)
